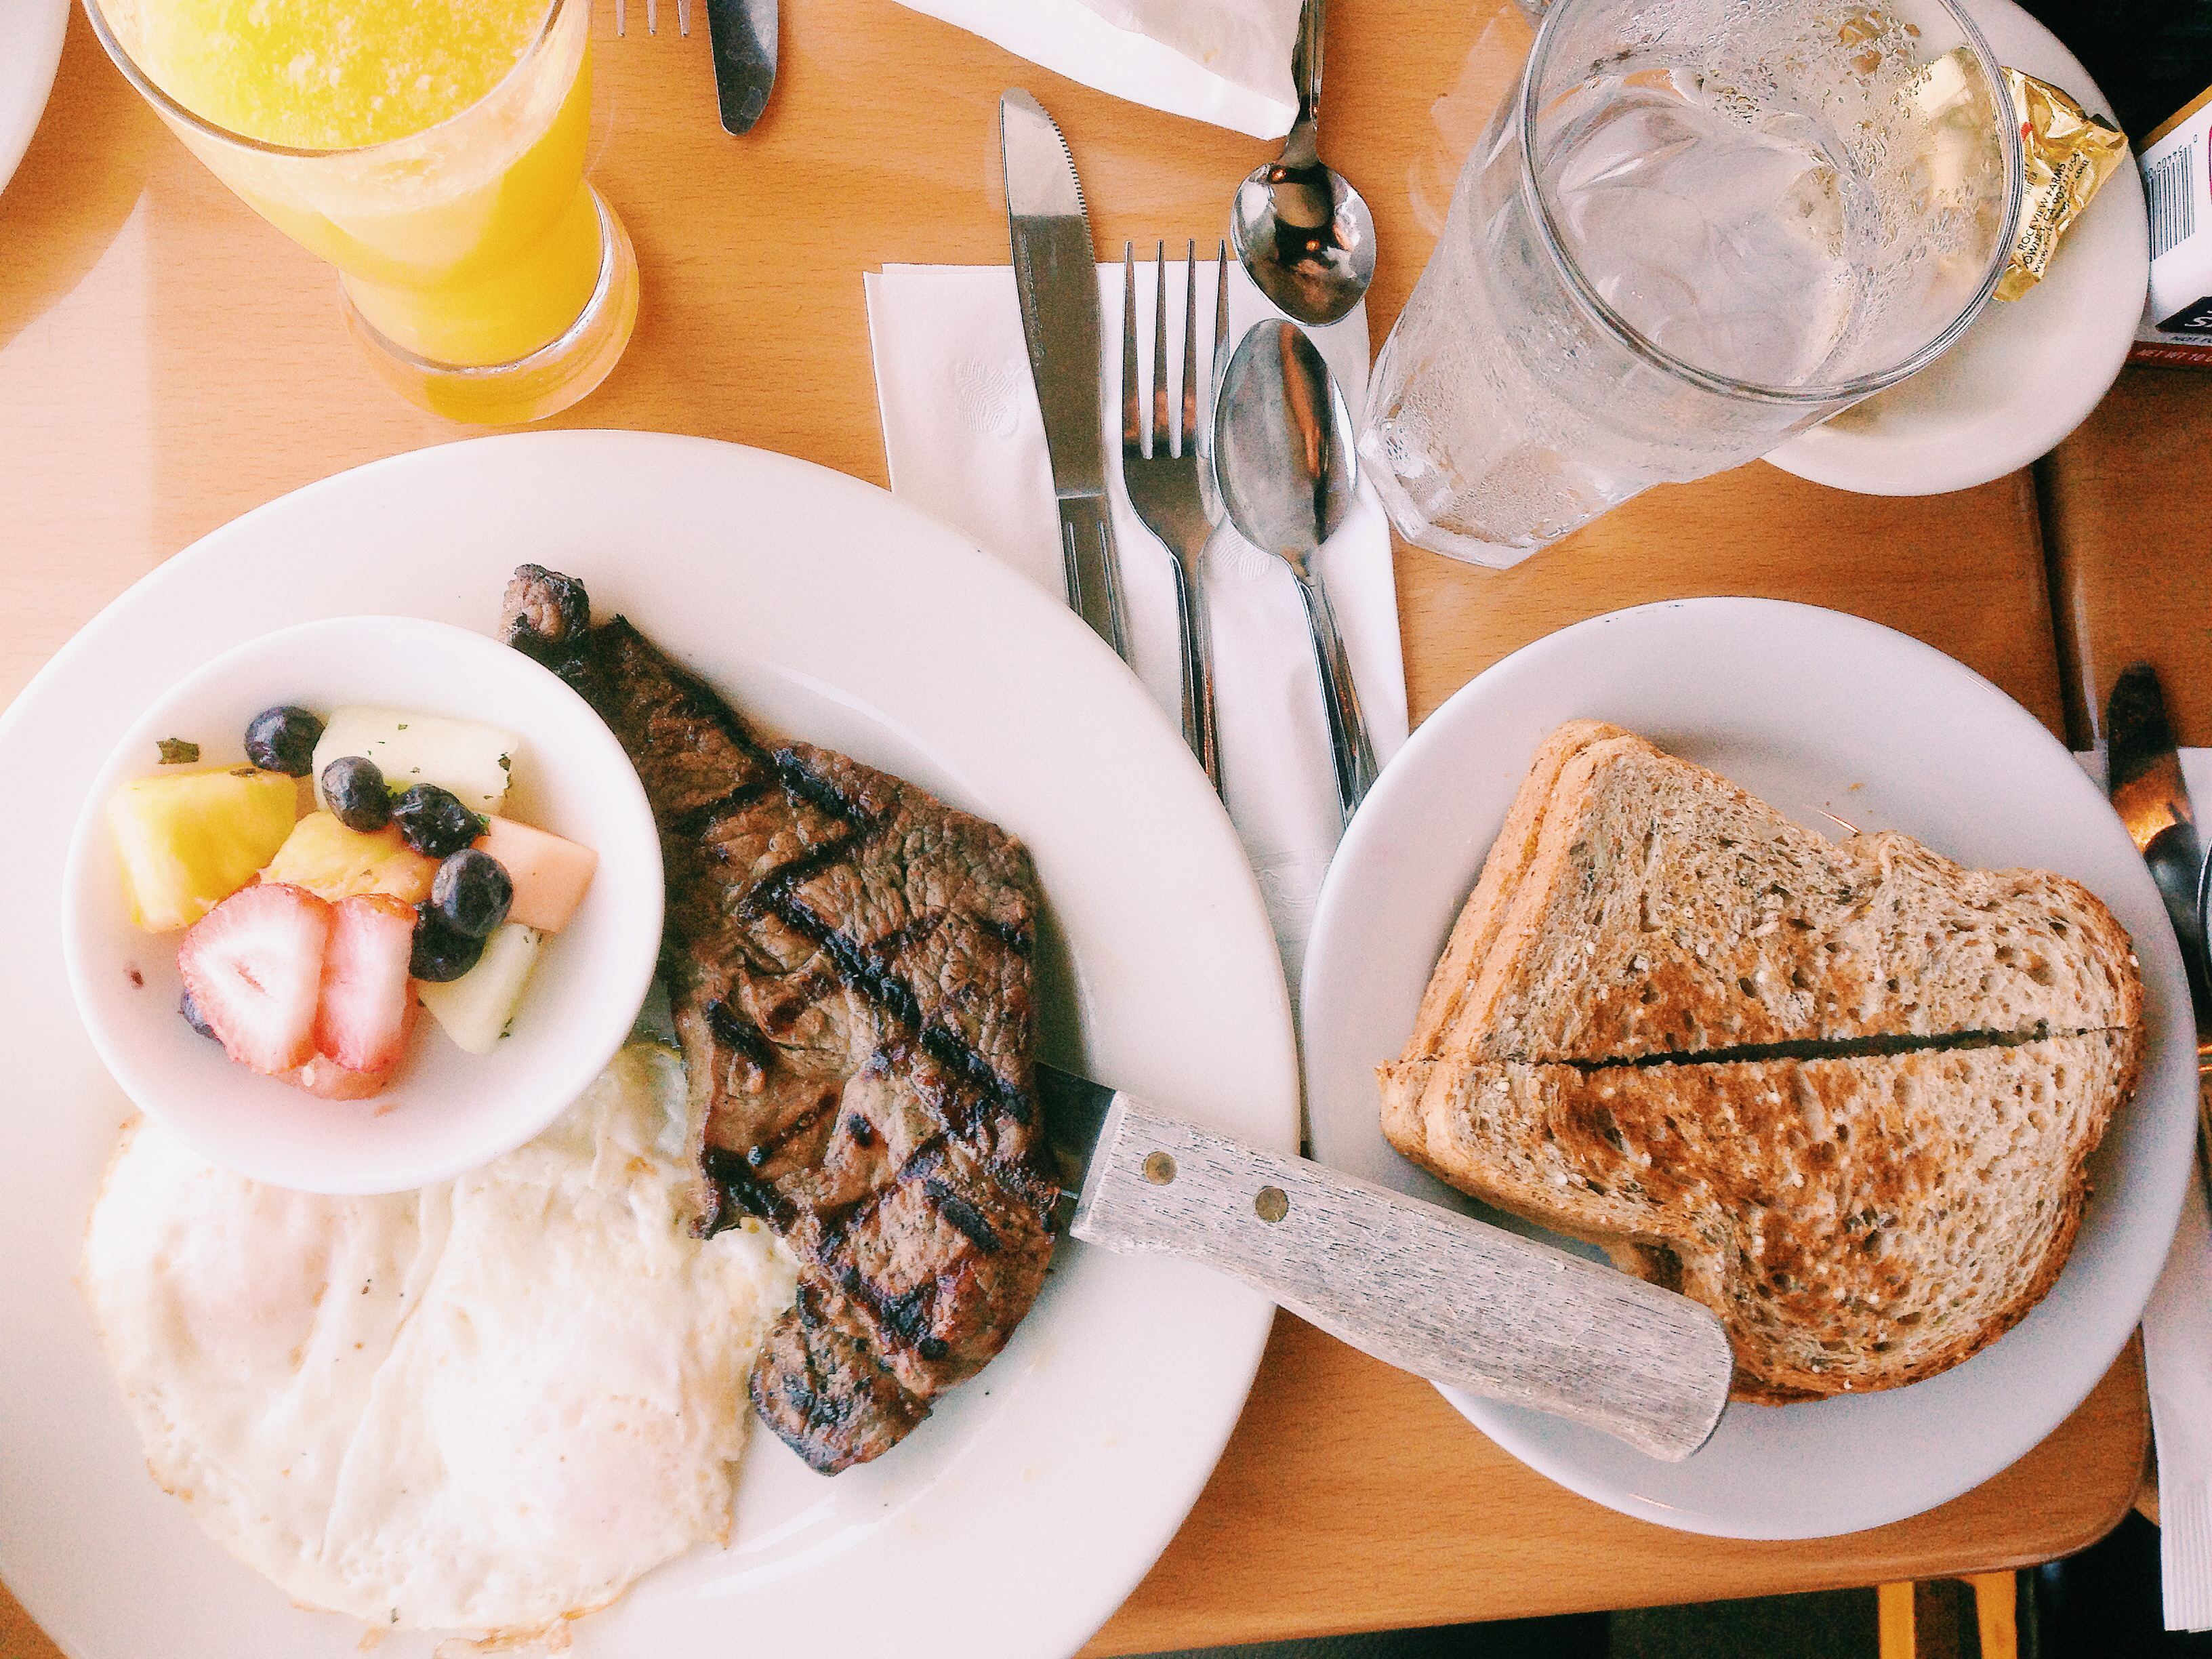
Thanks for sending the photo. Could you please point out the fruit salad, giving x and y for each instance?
(318, 922)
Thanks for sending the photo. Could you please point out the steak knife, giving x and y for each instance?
(1056, 279)
(2142, 776)
(1416, 1286)
(742, 35)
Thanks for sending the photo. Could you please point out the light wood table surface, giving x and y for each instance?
(167, 362)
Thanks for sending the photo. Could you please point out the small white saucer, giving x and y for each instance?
(2030, 370)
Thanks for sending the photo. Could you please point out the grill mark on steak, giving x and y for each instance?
(700, 819)
(849, 961)
(773, 892)
(1021, 941)
(739, 1193)
(963, 1215)
(862, 971)
(740, 1033)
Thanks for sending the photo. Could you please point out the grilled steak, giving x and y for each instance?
(848, 960)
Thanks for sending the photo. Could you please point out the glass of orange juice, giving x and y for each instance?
(433, 150)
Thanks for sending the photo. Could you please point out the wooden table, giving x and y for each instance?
(167, 362)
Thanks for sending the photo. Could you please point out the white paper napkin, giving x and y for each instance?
(1224, 61)
(966, 444)
(2176, 1329)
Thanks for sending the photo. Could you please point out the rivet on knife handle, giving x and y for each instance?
(1418, 1286)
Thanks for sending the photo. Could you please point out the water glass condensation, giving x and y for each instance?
(1696, 227)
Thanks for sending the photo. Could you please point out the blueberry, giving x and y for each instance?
(284, 739)
(439, 953)
(193, 1017)
(434, 822)
(471, 892)
(355, 788)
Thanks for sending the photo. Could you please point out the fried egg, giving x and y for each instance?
(487, 1405)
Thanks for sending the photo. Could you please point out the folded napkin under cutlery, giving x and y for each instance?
(2177, 1329)
(1224, 61)
(966, 444)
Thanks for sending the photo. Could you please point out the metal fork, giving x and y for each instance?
(1171, 489)
(653, 16)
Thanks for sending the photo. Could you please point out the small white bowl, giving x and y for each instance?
(449, 1111)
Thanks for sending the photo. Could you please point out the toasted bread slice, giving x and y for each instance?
(1662, 910)
(1856, 1223)
(1484, 913)
(1843, 1094)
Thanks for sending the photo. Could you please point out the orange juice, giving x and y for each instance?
(433, 150)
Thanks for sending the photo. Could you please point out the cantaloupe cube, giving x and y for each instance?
(333, 862)
(470, 759)
(549, 873)
(475, 1009)
(187, 841)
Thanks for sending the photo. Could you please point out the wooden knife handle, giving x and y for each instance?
(1416, 1286)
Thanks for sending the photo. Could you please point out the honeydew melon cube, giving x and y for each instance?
(470, 758)
(474, 1010)
(188, 840)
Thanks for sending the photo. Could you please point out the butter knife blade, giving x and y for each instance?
(1417, 1286)
(1057, 280)
(2142, 773)
(742, 35)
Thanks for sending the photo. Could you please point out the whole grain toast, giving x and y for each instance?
(1661, 909)
(1844, 1094)
(1857, 1222)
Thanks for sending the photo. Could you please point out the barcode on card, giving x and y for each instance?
(2171, 185)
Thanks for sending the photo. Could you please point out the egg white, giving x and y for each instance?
(485, 1406)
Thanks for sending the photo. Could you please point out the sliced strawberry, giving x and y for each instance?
(324, 1079)
(362, 1021)
(254, 967)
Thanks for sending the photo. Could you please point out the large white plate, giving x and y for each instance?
(2029, 370)
(1021, 1514)
(31, 34)
(1816, 712)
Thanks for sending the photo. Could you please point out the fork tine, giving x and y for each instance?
(1161, 429)
(622, 18)
(1189, 349)
(1132, 412)
(683, 17)
(653, 16)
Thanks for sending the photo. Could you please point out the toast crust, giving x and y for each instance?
(1484, 913)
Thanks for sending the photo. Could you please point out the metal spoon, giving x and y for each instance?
(1305, 235)
(1283, 453)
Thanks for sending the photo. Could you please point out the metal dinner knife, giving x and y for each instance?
(1056, 279)
(742, 36)
(1414, 1284)
(2142, 776)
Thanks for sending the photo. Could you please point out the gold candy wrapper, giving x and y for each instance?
(2070, 154)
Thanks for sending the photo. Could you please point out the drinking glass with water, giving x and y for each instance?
(1697, 227)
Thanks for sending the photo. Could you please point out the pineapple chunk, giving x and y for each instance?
(333, 862)
(475, 1009)
(470, 759)
(188, 840)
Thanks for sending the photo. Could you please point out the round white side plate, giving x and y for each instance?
(2030, 370)
(1018, 1517)
(31, 34)
(1816, 712)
